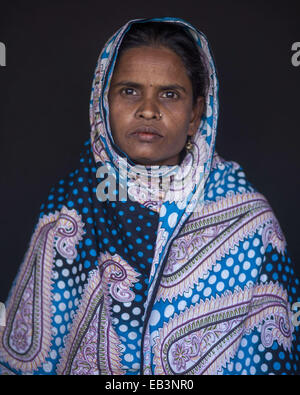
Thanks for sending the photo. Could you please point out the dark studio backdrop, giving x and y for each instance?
(51, 53)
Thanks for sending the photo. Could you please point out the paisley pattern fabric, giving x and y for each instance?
(189, 277)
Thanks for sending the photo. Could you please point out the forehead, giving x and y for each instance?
(146, 64)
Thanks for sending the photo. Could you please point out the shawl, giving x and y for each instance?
(159, 279)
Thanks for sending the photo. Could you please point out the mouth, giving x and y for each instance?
(146, 134)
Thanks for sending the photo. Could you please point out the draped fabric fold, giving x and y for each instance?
(190, 276)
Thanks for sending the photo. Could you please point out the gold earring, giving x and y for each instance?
(189, 145)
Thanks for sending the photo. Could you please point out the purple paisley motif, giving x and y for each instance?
(92, 347)
(116, 277)
(204, 337)
(278, 231)
(180, 356)
(271, 327)
(21, 334)
(182, 250)
(271, 232)
(121, 295)
(266, 235)
(172, 260)
(96, 145)
(267, 337)
(284, 326)
(187, 352)
(28, 334)
(191, 244)
(85, 362)
(152, 204)
(66, 235)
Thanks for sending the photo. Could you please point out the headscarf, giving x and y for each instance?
(153, 283)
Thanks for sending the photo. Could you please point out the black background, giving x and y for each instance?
(52, 49)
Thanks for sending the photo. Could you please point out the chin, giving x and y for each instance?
(144, 161)
(149, 159)
(142, 158)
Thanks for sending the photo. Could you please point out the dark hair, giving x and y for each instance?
(176, 38)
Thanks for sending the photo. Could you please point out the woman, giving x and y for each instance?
(155, 256)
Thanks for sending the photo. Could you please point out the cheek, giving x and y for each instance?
(115, 120)
(178, 126)
(120, 116)
(178, 113)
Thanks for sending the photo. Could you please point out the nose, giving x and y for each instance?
(148, 110)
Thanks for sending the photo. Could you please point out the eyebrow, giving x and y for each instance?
(139, 86)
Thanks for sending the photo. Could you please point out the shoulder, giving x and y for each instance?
(230, 197)
(226, 179)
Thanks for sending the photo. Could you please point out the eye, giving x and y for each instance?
(128, 92)
(170, 95)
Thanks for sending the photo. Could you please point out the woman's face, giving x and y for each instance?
(151, 105)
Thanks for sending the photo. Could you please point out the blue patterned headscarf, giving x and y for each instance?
(153, 284)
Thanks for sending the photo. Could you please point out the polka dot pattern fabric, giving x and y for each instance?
(122, 230)
(197, 286)
(253, 269)
(256, 267)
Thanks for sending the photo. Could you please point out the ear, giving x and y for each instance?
(196, 115)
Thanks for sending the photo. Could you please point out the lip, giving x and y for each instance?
(146, 134)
